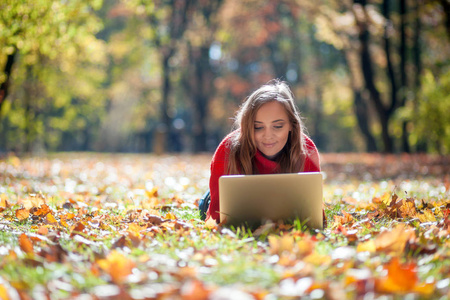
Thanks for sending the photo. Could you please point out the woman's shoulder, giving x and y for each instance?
(312, 163)
(224, 147)
(309, 144)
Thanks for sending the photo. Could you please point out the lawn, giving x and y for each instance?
(126, 226)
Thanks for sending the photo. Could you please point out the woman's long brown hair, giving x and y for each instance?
(243, 147)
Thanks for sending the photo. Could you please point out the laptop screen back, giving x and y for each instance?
(253, 199)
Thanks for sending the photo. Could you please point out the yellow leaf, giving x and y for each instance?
(368, 246)
(170, 216)
(317, 259)
(153, 193)
(134, 228)
(117, 265)
(427, 216)
(3, 201)
(3, 292)
(50, 219)
(386, 198)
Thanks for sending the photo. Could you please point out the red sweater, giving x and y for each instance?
(265, 166)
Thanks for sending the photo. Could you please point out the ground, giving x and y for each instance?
(126, 226)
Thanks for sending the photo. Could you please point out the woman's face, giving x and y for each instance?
(271, 128)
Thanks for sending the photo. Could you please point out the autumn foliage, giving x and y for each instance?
(127, 227)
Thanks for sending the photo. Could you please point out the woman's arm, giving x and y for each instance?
(218, 168)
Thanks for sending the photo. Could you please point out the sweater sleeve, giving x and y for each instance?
(218, 168)
(312, 159)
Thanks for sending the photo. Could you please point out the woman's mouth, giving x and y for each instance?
(269, 145)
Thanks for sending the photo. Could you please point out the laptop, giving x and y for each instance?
(253, 199)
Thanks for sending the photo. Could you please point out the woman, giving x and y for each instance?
(269, 139)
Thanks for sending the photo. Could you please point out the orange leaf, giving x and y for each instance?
(42, 211)
(117, 265)
(394, 241)
(69, 216)
(42, 230)
(22, 214)
(25, 244)
(401, 278)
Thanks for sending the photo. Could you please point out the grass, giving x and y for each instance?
(184, 255)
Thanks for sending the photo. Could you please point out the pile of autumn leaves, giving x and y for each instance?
(408, 254)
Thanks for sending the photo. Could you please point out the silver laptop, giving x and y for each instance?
(253, 199)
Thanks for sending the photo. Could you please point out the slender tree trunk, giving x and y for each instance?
(361, 112)
(202, 70)
(446, 6)
(403, 75)
(4, 87)
(367, 70)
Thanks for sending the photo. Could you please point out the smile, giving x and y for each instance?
(269, 145)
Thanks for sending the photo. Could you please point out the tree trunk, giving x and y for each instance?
(367, 70)
(403, 74)
(4, 87)
(361, 112)
(202, 70)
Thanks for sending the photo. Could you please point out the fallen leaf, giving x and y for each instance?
(50, 219)
(394, 241)
(25, 244)
(117, 265)
(400, 278)
(43, 230)
(211, 224)
(42, 210)
(22, 214)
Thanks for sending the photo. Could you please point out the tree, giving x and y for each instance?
(44, 43)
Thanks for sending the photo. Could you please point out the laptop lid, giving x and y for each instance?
(253, 199)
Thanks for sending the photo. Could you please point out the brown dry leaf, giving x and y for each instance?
(408, 210)
(117, 265)
(25, 244)
(401, 278)
(22, 214)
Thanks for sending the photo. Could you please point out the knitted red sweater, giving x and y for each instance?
(265, 166)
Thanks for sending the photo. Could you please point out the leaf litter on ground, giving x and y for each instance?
(122, 226)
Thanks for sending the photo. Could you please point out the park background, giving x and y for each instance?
(166, 76)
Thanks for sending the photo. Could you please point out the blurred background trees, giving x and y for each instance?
(167, 75)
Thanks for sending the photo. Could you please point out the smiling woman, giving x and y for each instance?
(269, 138)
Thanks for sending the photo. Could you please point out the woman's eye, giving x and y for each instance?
(278, 126)
(258, 128)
